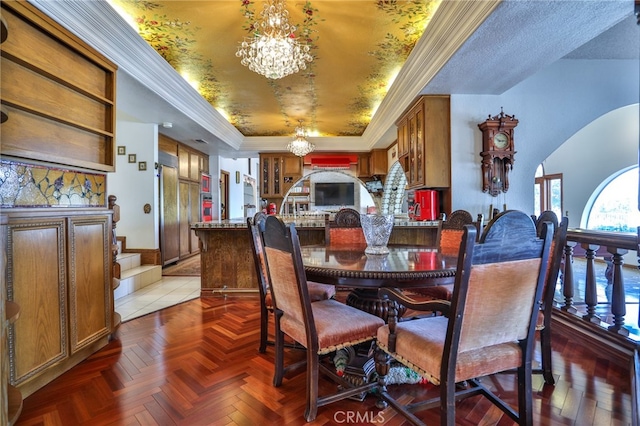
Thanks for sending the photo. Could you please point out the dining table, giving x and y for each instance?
(405, 267)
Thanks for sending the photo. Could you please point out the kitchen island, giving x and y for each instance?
(227, 262)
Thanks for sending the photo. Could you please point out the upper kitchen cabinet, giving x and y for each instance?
(373, 163)
(43, 67)
(426, 131)
(278, 173)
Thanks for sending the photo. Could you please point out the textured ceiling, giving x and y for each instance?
(358, 48)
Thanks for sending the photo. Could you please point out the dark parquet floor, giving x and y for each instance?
(197, 364)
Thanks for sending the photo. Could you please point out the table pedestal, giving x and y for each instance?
(368, 300)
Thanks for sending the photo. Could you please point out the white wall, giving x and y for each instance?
(551, 107)
(134, 188)
(599, 150)
(236, 190)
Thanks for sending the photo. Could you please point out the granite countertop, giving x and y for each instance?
(301, 222)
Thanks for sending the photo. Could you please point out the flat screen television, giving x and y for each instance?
(334, 194)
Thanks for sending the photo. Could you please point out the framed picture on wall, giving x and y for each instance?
(142, 165)
(132, 158)
(122, 150)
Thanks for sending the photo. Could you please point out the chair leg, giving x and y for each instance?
(279, 351)
(264, 328)
(545, 347)
(312, 386)
(525, 395)
(448, 403)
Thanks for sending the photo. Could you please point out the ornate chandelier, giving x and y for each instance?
(273, 51)
(300, 146)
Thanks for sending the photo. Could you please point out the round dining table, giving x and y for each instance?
(404, 267)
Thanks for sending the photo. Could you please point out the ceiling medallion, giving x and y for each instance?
(273, 51)
(300, 146)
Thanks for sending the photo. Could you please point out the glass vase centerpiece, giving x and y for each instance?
(377, 230)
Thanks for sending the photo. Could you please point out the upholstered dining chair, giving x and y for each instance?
(543, 324)
(322, 327)
(345, 229)
(448, 238)
(317, 291)
(488, 327)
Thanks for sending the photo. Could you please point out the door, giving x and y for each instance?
(169, 221)
(224, 195)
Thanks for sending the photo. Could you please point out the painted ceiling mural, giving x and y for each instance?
(358, 47)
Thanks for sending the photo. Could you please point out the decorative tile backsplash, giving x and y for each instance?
(29, 185)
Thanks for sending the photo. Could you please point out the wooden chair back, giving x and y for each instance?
(345, 229)
(450, 231)
(503, 275)
(288, 279)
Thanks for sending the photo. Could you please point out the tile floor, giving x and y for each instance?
(161, 294)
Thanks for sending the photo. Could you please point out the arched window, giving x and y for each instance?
(615, 208)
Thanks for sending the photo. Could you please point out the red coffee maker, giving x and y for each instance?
(425, 204)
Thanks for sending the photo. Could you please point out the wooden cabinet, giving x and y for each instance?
(10, 396)
(426, 131)
(59, 273)
(44, 67)
(278, 173)
(372, 163)
(181, 171)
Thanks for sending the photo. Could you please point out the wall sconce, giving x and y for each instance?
(237, 177)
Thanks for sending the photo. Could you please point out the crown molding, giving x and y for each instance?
(452, 24)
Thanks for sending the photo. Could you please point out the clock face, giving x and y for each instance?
(500, 141)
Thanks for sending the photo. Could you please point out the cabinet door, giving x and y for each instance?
(437, 145)
(292, 166)
(183, 163)
(403, 145)
(89, 280)
(169, 220)
(194, 166)
(265, 173)
(194, 211)
(364, 165)
(36, 259)
(183, 218)
(419, 152)
(411, 132)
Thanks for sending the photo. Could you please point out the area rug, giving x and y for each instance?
(186, 268)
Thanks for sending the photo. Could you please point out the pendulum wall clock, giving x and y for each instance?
(498, 152)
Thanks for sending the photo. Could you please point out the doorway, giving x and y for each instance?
(224, 194)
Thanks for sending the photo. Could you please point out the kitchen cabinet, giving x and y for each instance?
(373, 163)
(10, 396)
(426, 131)
(278, 173)
(59, 273)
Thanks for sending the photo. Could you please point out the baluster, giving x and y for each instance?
(591, 290)
(618, 305)
(567, 279)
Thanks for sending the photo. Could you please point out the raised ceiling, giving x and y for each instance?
(469, 47)
(358, 48)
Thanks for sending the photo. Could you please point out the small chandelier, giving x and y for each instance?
(300, 146)
(274, 53)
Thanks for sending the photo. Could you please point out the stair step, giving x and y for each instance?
(135, 278)
(128, 261)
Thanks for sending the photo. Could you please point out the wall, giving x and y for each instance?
(135, 188)
(551, 106)
(236, 190)
(602, 148)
